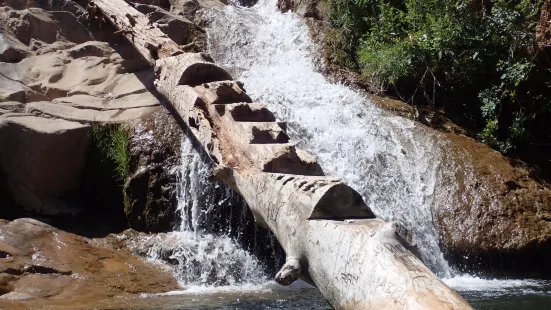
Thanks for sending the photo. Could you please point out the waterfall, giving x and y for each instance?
(204, 252)
(393, 162)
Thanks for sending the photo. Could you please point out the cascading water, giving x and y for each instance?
(203, 253)
(392, 162)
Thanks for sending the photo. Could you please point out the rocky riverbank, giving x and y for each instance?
(86, 150)
(42, 267)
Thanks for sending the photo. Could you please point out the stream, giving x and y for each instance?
(391, 161)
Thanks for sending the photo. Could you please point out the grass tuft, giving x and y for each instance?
(113, 141)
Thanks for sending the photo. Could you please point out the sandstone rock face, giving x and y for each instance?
(498, 212)
(41, 267)
(63, 74)
(92, 68)
(26, 29)
(42, 160)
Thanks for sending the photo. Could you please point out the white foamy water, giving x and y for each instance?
(498, 287)
(391, 161)
(203, 261)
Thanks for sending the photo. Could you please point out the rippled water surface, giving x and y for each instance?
(486, 295)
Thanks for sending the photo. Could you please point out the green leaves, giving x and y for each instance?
(113, 141)
(483, 56)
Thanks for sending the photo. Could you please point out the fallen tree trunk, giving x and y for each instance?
(149, 40)
(330, 236)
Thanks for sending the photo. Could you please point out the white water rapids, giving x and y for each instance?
(392, 162)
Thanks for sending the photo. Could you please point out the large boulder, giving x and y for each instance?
(41, 266)
(42, 160)
(494, 214)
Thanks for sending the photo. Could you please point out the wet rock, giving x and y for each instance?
(49, 267)
(151, 192)
(305, 8)
(495, 220)
(42, 160)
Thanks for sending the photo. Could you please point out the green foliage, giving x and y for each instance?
(113, 142)
(477, 59)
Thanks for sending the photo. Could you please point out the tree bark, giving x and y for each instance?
(149, 40)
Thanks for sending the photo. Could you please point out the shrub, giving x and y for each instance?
(475, 59)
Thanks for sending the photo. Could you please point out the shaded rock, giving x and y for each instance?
(497, 219)
(42, 160)
(17, 4)
(48, 27)
(189, 8)
(160, 3)
(91, 49)
(177, 28)
(53, 268)
(186, 8)
(151, 192)
(247, 3)
(12, 106)
(11, 50)
(30, 23)
(306, 8)
(70, 28)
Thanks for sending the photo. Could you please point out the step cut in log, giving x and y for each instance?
(189, 69)
(223, 92)
(252, 112)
